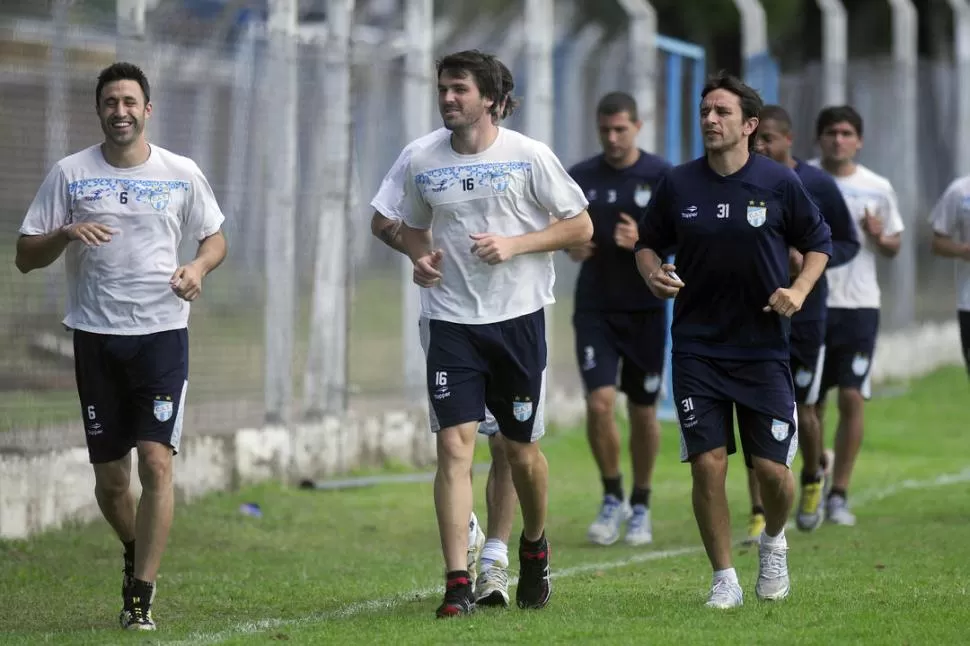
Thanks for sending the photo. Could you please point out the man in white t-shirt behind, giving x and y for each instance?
(488, 557)
(854, 297)
(485, 210)
(118, 211)
(951, 239)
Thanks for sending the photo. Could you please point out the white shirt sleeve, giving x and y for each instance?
(943, 219)
(389, 200)
(203, 216)
(416, 212)
(552, 186)
(51, 208)
(892, 220)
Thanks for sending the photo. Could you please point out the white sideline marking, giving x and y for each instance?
(387, 603)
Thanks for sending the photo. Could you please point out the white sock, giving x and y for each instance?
(729, 574)
(774, 541)
(472, 527)
(495, 551)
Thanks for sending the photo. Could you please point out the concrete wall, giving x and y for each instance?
(42, 491)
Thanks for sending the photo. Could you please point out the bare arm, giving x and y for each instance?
(813, 265)
(415, 243)
(211, 253)
(888, 246)
(387, 231)
(947, 247)
(648, 262)
(37, 252)
(561, 234)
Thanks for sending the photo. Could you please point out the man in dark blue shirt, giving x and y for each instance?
(774, 139)
(620, 325)
(732, 216)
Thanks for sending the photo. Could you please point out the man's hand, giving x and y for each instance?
(872, 224)
(186, 282)
(795, 260)
(662, 284)
(427, 269)
(493, 249)
(626, 233)
(92, 234)
(786, 301)
(582, 252)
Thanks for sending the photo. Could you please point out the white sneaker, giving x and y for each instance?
(605, 530)
(774, 583)
(725, 594)
(476, 543)
(837, 512)
(492, 586)
(639, 530)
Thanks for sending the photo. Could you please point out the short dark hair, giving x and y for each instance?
(777, 114)
(751, 102)
(121, 71)
(493, 78)
(834, 114)
(615, 103)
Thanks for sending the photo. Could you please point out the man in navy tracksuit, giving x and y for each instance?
(732, 216)
(774, 139)
(620, 326)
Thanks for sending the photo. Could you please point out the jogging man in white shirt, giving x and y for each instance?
(854, 297)
(485, 210)
(118, 210)
(951, 239)
(488, 553)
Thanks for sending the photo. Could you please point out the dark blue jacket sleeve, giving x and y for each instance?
(656, 228)
(805, 229)
(845, 241)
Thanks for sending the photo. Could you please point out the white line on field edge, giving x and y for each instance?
(387, 603)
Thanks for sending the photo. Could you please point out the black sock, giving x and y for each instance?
(129, 557)
(458, 578)
(532, 546)
(811, 477)
(640, 497)
(841, 493)
(757, 509)
(613, 487)
(141, 592)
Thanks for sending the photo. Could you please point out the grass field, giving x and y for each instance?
(363, 565)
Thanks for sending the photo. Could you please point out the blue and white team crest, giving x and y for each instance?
(159, 199)
(500, 181)
(779, 430)
(651, 383)
(163, 407)
(803, 378)
(642, 195)
(860, 364)
(522, 410)
(757, 213)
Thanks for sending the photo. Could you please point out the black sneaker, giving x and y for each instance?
(459, 599)
(534, 588)
(137, 611)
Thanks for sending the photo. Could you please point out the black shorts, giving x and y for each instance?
(963, 318)
(625, 344)
(132, 388)
(850, 340)
(761, 392)
(499, 365)
(807, 359)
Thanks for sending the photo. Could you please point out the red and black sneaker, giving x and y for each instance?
(534, 588)
(459, 599)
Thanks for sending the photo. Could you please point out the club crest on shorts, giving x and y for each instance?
(757, 213)
(803, 377)
(642, 195)
(651, 383)
(162, 407)
(522, 409)
(860, 364)
(779, 430)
